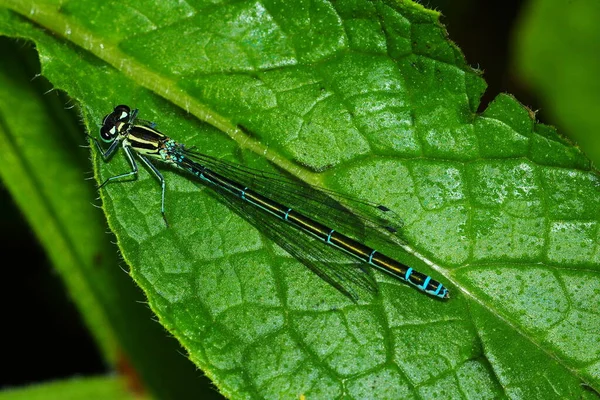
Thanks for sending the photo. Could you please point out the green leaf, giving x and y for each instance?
(366, 98)
(559, 55)
(79, 388)
(44, 165)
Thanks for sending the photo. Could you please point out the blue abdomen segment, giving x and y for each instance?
(417, 279)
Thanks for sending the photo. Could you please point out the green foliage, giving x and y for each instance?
(44, 166)
(96, 388)
(369, 99)
(559, 55)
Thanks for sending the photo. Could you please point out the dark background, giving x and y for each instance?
(34, 301)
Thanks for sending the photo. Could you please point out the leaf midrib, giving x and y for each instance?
(166, 88)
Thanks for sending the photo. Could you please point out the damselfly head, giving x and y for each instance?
(115, 122)
(120, 113)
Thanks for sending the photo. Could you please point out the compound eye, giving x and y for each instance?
(108, 133)
(122, 113)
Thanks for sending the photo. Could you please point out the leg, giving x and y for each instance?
(109, 152)
(134, 169)
(133, 115)
(161, 179)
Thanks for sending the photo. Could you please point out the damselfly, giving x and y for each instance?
(280, 210)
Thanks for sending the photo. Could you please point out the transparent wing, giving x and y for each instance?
(342, 271)
(363, 220)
